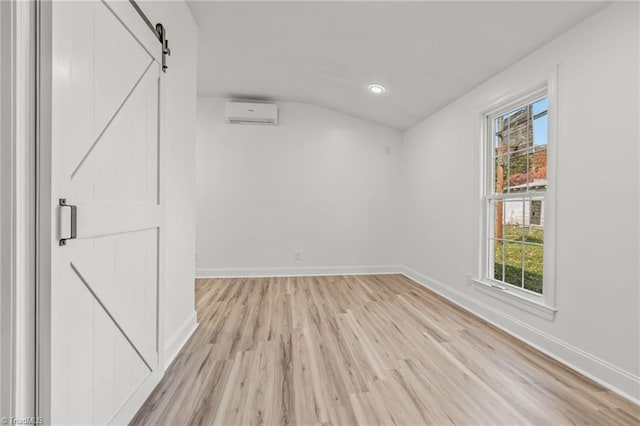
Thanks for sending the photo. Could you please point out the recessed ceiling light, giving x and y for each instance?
(376, 89)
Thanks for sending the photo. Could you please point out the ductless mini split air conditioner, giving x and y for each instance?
(252, 113)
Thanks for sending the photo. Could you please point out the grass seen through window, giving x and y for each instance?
(513, 257)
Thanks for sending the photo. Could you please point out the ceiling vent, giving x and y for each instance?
(252, 113)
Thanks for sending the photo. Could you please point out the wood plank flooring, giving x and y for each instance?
(375, 349)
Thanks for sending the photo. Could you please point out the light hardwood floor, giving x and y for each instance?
(376, 349)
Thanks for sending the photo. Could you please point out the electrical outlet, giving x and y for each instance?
(296, 256)
(196, 257)
(469, 279)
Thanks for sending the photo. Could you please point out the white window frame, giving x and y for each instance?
(542, 305)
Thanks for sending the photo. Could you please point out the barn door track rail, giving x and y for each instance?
(159, 31)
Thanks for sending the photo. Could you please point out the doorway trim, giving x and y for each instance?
(44, 208)
(18, 211)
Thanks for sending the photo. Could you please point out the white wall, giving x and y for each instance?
(179, 132)
(321, 183)
(597, 326)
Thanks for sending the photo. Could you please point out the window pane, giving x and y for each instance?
(498, 269)
(498, 219)
(540, 130)
(537, 168)
(535, 227)
(500, 174)
(517, 172)
(497, 129)
(508, 220)
(518, 142)
(518, 125)
(533, 264)
(540, 106)
(514, 214)
(513, 263)
(498, 155)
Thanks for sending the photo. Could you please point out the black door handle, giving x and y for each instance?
(74, 221)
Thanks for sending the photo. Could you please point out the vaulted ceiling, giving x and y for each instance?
(426, 54)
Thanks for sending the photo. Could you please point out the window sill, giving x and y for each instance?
(514, 299)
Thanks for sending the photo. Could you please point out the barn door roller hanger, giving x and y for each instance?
(160, 33)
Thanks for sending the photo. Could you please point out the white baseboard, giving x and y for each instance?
(179, 338)
(297, 271)
(598, 370)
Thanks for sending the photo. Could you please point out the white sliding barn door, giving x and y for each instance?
(105, 109)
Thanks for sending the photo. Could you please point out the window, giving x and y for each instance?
(516, 208)
(515, 195)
